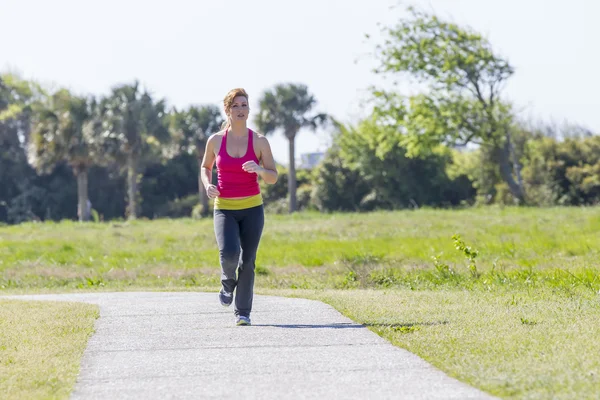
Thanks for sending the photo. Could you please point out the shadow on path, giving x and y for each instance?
(352, 325)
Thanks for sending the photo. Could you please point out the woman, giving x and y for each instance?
(241, 156)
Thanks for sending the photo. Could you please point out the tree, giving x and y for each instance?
(288, 107)
(563, 172)
(58, 135)
(337, 186)
(17, 98)
(463, 102)
(190, 130)
(375, 152)
(133, 125)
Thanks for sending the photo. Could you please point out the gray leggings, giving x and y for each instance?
(238, 234)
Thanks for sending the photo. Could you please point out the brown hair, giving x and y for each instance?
(228, 103)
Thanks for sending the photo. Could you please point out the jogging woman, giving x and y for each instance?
(241, 156)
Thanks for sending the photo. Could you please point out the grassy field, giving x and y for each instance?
(558, 246)
(506, 300)
(41, 344)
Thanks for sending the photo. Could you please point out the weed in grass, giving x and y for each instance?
(95, 281)
(384, 278)
(350, 280)
(469, 253)
(526, 321)
(260, 270)
(443, 269)
(405, 328)
(360, 268)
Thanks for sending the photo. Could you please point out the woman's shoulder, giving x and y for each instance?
(261, 144)
(214, 142)
(259, 136)
(216, 137)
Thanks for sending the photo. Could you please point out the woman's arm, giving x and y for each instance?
(207, 165)
(269, 170)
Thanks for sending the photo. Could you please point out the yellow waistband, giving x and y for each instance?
(238, 204)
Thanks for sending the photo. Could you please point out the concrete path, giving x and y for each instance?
(186, 346)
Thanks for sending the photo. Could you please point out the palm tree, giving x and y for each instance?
(134, 124)
(287, 107)
(58, 135)
(191, 129)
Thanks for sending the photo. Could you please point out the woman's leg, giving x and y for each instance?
(227, 233)
(251, 227)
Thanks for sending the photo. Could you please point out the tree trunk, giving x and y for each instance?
(506, 172)
(132, 186)
(201, 189)
(292, 173)
(515, 162)
(83, 211)
(505, 156)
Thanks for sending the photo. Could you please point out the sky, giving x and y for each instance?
(195, 51)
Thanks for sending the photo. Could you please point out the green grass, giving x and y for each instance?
(312, 250)
(41, 344)
(534, 345)
(509, 306)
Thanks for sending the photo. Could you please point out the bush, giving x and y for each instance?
(178, 208)
(338, 188)
(281, 206)
(303, 195)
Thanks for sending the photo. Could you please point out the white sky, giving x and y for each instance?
(194, 51)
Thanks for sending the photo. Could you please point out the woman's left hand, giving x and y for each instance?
(251, 166)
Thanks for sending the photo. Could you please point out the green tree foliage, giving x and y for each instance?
(288, 107)
(18, 189)
(190, 130)
(401, 156)
(18, 98)
(462, 103)
(478, 168)
(276, 196)
(563, 172)
(559, 167)
(108, 192)
(58, 135)
(165, 184)
(133, 127)
(369, 168)
(337, 186)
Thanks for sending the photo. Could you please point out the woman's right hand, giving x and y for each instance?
(212, 191)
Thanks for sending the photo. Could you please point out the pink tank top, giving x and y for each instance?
(232, 180)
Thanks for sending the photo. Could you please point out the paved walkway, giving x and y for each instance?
(186, 346)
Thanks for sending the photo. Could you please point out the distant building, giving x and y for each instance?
(310, 160)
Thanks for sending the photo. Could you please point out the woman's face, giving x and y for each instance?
(239, 109)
